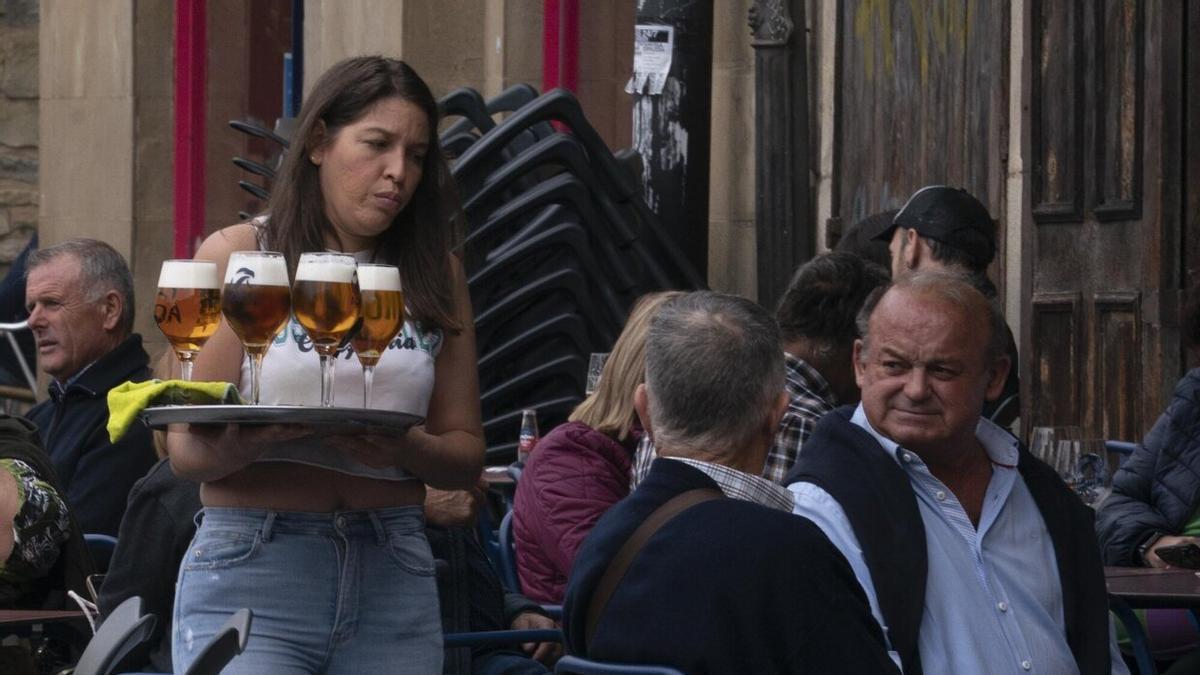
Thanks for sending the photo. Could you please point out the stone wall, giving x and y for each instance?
(18, 126)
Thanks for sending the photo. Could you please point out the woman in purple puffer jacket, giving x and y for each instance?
(581, 468)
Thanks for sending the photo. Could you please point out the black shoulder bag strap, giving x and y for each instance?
(625, 556)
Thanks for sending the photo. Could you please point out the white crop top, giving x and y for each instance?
(291, 374)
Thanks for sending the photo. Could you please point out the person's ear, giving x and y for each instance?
(857, 355)
(641, 404)
(997, 374)
(911, 250)
(112, 305)
(776, 413)
(317, 144)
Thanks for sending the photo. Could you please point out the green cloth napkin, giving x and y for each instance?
(126, 400)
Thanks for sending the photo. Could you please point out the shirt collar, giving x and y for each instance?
(59, 389)
(740, 485)
(1000, 446)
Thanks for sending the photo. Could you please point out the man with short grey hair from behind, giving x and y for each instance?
(703, 568)
(81, 308)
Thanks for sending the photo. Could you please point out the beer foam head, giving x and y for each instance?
(249, 267)
(378, 278)
(188, 274)
(337, 269)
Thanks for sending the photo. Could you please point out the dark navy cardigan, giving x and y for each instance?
(727, 586)
(848, 463)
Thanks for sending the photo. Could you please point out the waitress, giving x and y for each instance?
(330, 554)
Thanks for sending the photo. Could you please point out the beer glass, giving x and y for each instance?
(382, 317)
(187, 307)
(256, 302)
(326, 302)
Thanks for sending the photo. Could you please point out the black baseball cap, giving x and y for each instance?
(951, 216)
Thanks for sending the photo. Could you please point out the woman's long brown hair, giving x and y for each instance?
(421, 237)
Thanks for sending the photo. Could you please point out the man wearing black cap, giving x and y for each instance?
(946, 228)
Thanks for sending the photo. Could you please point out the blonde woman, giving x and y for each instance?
(581, 468)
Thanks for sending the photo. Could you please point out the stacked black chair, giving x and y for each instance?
(559, 246)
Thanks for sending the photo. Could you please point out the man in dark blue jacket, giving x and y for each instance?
(729, 581)
(80, 300)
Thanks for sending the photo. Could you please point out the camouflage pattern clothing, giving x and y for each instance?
(39, 531)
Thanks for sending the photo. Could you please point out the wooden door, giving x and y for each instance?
(922, 99)
(1104, 241)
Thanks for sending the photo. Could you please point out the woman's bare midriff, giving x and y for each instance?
(280, 486)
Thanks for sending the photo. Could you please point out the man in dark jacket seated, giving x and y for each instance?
(730, 582)
(81, 307)
(974, 555)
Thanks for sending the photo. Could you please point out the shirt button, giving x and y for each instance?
(1026, 664)
(906, 456)
(941, 495)
(341, 521)
(1002, 606)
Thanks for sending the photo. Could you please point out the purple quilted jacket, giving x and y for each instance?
(572, 477)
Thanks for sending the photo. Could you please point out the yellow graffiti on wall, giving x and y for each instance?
(936, 25)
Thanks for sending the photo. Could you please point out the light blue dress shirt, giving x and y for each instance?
(993, 601)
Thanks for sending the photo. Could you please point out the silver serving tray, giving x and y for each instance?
(161, 416)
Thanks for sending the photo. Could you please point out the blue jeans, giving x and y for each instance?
(348, 592)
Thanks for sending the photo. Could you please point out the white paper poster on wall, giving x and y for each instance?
(652, 50)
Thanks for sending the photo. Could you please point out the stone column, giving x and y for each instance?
(782, 211)
(105, 132)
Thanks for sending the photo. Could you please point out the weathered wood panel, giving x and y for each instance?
(1119, 60)
(1105, 228)
(1058, 111)
(1055, 360)
(1119, 364)
(922, 99)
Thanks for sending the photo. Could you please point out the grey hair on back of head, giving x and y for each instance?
(101, 269)
(714, 367)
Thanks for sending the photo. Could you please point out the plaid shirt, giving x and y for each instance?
(746, 487)
(810, 397)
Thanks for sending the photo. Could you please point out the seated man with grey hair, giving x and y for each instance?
(974, 555)
(703, 567)
(80, 299)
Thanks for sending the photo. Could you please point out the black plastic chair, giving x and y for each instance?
(565, 329)
(252, 129)
(569, 191)
(562, 106)
(124, 629)
(254, 167)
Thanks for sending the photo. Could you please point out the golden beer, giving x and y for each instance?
(188, 316)
(327, 310)
(256, 313)
(325, 301)
(187, 307)
(382, 317)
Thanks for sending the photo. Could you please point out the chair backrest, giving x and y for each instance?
(580, 666)
(121, 632)
(508, 555)
(229, 641)
(101, 546)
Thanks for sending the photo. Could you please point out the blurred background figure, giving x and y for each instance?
(817, 316)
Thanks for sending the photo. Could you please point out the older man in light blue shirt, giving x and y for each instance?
(993, 596)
